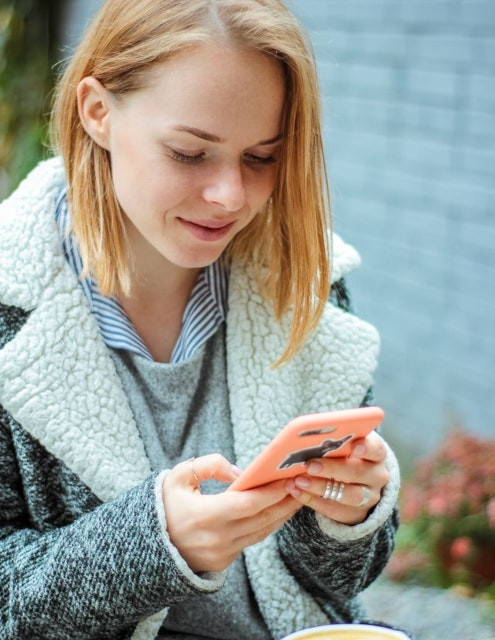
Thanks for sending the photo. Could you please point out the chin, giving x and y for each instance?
(197, 262)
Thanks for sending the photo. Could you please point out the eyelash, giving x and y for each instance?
(196, 159)
(182, 157)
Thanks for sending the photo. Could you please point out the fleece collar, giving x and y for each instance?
(58, 380)
(332, 371)
(56, 376)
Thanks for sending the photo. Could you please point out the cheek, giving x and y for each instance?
(262, 188)
(151, 189)
(132, 162)
(127, 173)
(125, 186)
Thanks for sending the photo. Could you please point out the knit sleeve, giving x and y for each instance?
(334, 561)
(90, 574)
(335, 570)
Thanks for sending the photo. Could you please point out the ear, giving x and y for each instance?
(94, 110)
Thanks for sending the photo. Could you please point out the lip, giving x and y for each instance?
(209, 230)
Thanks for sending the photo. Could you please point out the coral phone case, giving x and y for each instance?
(315, 435)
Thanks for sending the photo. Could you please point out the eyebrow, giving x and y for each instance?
(211, 137)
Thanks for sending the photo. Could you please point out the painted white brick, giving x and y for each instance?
(481, 91)
(441, 50)
(479, 14)
(430, 87)
(417, 13)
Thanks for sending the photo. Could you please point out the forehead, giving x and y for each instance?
(214, 85)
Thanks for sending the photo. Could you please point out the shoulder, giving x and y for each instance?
(344, 258)
(30, 250)
(31, 202)
(47, 177)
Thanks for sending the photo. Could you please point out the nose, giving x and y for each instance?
(226, 188)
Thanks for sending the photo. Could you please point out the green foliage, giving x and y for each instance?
(26, 47)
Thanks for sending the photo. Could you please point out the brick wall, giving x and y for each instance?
(75, 17)
(409, 100)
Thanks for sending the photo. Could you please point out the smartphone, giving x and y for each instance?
(315, 435)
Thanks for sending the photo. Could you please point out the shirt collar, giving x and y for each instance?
(205, 310)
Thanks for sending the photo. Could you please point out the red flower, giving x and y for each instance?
(461, 547)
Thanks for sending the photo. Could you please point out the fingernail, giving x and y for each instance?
(359, 450)
(315, 467)
(235, 470)
(303, 482)
(295, 492)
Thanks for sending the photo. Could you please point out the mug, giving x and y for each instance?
(347, 632)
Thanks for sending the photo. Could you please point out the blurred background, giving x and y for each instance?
(409, 97)
(409, 103)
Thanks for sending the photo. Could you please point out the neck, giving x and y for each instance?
(155, 306)
(157, 311)
(164, 287)
(154, 279)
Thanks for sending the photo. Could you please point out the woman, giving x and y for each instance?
(163, 314)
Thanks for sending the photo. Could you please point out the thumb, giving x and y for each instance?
(211, 467)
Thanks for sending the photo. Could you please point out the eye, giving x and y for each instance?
(185, 158)
(252, 159)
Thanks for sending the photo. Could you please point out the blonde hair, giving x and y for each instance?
(287, 245)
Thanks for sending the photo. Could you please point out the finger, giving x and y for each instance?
(261, 526)
(349, 470)
(245, 504)
(206, 529)
(252, 532)
(196, 470)
(352, 495)
(341, 511)
(370, 448)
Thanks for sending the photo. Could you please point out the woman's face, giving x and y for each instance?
(194, 154)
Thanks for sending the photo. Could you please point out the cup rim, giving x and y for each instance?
(394, 634)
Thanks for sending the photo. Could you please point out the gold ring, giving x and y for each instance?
(191, 462)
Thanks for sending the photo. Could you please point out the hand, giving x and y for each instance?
(210, 531)
(363, 475)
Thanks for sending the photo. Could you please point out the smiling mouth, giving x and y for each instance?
(207, 232)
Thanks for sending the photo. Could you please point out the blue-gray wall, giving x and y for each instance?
(75, 17)
(409, 96)
(409, 99)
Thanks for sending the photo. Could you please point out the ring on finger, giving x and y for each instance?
(193, 471)
(340, 493)
(333, 490)
(328, 490)
(366, 496)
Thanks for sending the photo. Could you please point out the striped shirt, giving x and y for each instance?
(204, 312)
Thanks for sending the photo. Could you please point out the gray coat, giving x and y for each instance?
(82, 525)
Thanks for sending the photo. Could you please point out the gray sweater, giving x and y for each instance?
(84, 550)
(182, 410)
